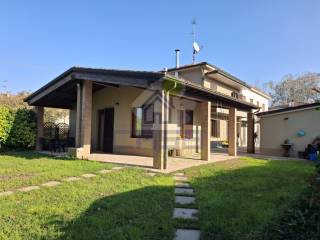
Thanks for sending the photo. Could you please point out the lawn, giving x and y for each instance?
(237, 199)
(29, 168)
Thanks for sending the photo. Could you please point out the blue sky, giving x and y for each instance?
(257, 41)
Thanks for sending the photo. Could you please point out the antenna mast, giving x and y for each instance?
(194, 22)
(195, 46)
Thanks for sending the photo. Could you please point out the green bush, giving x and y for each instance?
(6, 120)
(23, 131)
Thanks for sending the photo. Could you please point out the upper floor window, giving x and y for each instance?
(251, 100)
(258, 104)
(235, 95)
(263, 107)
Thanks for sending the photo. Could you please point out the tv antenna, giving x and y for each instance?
(195, 46)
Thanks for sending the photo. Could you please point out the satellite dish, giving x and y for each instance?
(196, 47)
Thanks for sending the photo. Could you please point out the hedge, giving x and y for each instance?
(6, 121)
(17, 128)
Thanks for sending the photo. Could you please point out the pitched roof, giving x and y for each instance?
(290, 109)
(220, 71)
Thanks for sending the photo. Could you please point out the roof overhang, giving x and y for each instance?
(62, 91)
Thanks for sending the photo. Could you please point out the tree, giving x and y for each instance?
(300, 88)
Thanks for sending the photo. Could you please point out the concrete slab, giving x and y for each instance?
(72, 179)
(185, 213)
(151, 174)
(180, 178)
(117, 168)
(187, 234)
(185, 200)
(28, 189)
(88, 175)
(104, 171)
(6, 193)
(51, 184)
(188, 191)
(178, 174)
(182, 184)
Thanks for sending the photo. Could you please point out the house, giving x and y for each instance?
(216, 79)
(151, 113)
(297, 125)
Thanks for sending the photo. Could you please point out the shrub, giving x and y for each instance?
(6, 120)
(23, 131)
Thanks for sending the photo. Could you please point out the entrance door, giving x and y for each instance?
(106, 129)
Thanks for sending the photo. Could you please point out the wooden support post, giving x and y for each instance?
(232, 132)
(250, 133)
(205, 130)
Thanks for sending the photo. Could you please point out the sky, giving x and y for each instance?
(257, 41)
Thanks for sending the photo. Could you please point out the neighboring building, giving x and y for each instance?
(216, 79)
(298, 125)
(148, 113)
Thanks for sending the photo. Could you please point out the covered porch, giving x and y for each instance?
(181, 114)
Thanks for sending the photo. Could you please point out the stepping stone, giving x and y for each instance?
(72, 179)
(117, 168)
(185, 200)
(151, 174)
(7, 193)
(185, 213)
(104, 171)
(28, 189)
(187, 234)
(188, 191)
(180, 178)
(182, 185)
(51, 184)
(178, 174)
(88, 175)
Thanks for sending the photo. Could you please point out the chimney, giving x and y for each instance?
(177, 61)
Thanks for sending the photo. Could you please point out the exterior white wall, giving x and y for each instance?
(249, 94)
(275, 130)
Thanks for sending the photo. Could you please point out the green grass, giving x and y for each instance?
(125, 204)
(239, 199)
(28, 168)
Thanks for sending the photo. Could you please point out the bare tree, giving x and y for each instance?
(300, 88)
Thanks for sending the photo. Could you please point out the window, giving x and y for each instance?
(189, 117)
(263, 107)
(251, 100)
(181, 123)
(142, 121)
(136, 122)
(258, 103)
(189, 124)
(215, 128)
(235, 95)
(148, 114)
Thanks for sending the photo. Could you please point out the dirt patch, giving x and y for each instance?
(19, 176)
(232, 163)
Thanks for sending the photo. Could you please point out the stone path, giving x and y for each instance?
(56, 183)
(184, 197)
